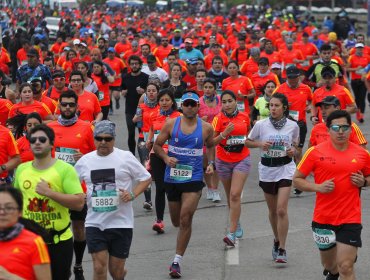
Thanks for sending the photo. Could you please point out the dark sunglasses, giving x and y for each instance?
(70, 104)
(106, 139)
(190, 103)
(336, 127)
(42, 139)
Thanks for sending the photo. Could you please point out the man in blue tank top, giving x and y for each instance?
(186, 136)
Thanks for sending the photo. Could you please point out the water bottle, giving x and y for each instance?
(139, 112)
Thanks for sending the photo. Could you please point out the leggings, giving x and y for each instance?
(158, 168)
(359, 89)
(105, 111)
(61, 255)
(131, 132)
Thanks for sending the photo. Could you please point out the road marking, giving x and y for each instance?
(232, 255)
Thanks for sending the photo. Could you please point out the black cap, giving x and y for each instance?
(151, 59)
(328, 71)
(263, 60)
(292, 72)
(33, 52)
(58, 74)
(329, 100)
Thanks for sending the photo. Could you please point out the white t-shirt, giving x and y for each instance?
(162, 74)
(282, 139)
(104, 176)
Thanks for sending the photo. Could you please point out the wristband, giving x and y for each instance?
(223, 137)
(132, 196)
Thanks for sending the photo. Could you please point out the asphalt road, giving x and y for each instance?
(207, 257)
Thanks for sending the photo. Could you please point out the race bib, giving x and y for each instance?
(316, 60)
(289, 65)
(360, 72)
(275, 152)
(65, 154)
(305, 63)
(294, 114)
(105, 201)
(181, 172)
(240, 105)
(219, 92)
(100, 95)
(236, 140)
(324, 238)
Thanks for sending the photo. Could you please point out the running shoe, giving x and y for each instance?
(175, 270)
(330, 276)
(117, 104)
(216, 196)
(281, 257)
(210, 194)
(229, 239)
(297, 192)
(275, 249)
(78, 272)
(158, 226)
(147, 205)
(239, 231)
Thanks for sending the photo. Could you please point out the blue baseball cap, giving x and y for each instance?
(192, 61)
(111, 49)
(190, 95)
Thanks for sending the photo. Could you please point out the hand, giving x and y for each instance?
(94, 122)
(77, 156)
(241, 95)
(266, 145)
(314, 120)
(171, 161)
(327, 186)
(149, 144)
(125, 195)
(358, 179)
(290, 152)
(140, 90)
(210, 169)
(43, 188)
(230, 127)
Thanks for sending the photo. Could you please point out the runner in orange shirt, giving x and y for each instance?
(340, 169)
(263, 75)
(9, 154)
(290, 56)
(241, 53)
(59, 85)
(250, 66)
(102, 82)
(269, 52)
(163, 50)
(319, 132)
(5, 106)
(215, 51)
(36, 83)
(240, 85)
(309, 51)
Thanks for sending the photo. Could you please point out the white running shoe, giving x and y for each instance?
(216, 196)
(210, 193)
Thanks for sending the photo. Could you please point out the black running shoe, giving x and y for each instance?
(78, 272)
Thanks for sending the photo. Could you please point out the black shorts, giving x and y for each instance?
(349, 234)
(175, 190)
(117, 241)
(79, 215)
(302, 133)
(115, 88)
(273, 187)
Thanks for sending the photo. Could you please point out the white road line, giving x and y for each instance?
(232, 255)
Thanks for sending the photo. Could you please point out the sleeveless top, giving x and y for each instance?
(188, 150)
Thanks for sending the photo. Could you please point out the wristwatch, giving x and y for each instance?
(3, 167)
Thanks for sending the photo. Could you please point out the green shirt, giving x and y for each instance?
(262, 106)
(62, 178)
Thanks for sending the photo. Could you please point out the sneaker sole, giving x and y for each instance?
(148, 207)
(158, 229)
(216, 200)
(175, 274)
(281, 261)
(228, 242)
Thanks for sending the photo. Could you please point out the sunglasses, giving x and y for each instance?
(106, 139)
(190, 103)
(336, 127)
(62, 79)
(76, 80)
(42, 139)
(70, 104)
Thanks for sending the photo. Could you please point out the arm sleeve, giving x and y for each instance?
(12, 147)
(306, 165)
(357, 136)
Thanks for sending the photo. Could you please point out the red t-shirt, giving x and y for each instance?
(8, 148)
(297, 98)
(104, 98)
(236, 137)
(147, 113)
(54, 94)
(25, 149)
(88, 106)
(274, 57)
(259, 82)
(343, 204)
(22, 253)
(5, 106)
(242, 84)
(36, 106)
(117, 65)
(355, 61)
(249, 67)
(320, 134)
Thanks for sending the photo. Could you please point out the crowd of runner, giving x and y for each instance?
(199, 93)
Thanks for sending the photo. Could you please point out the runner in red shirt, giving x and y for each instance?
(269, 52)
(9, 154)
(241, 53)
(340, 169)
(290, 56)
(263, 75)
(102, 82)
(5, 106)
(163, 50)
(250, 66)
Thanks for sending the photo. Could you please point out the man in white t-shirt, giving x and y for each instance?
(109, 174)
(152, 68)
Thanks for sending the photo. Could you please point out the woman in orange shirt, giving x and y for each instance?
(68, 64)
(233, 160)
(240, 85)
(102, 82)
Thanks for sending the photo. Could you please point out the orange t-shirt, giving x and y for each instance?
(236, 137)
(54, 94)
(88, 106)
(242, 84)
(320, 134)
(162, 52)
(273, 57)
(297, 98)
(239, 55)
(259, 82)
(52, 104)
(21, 254)
(36, 106)
(25, 149)
(5, 106)
(104, 98)
(343, 204)
(8, 148)
(117, 65)
(22, 56)
(249, 67)
(355, 61)
(147, 113)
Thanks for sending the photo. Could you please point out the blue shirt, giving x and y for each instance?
(188, 150)
(26, 72)
(184, 54)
